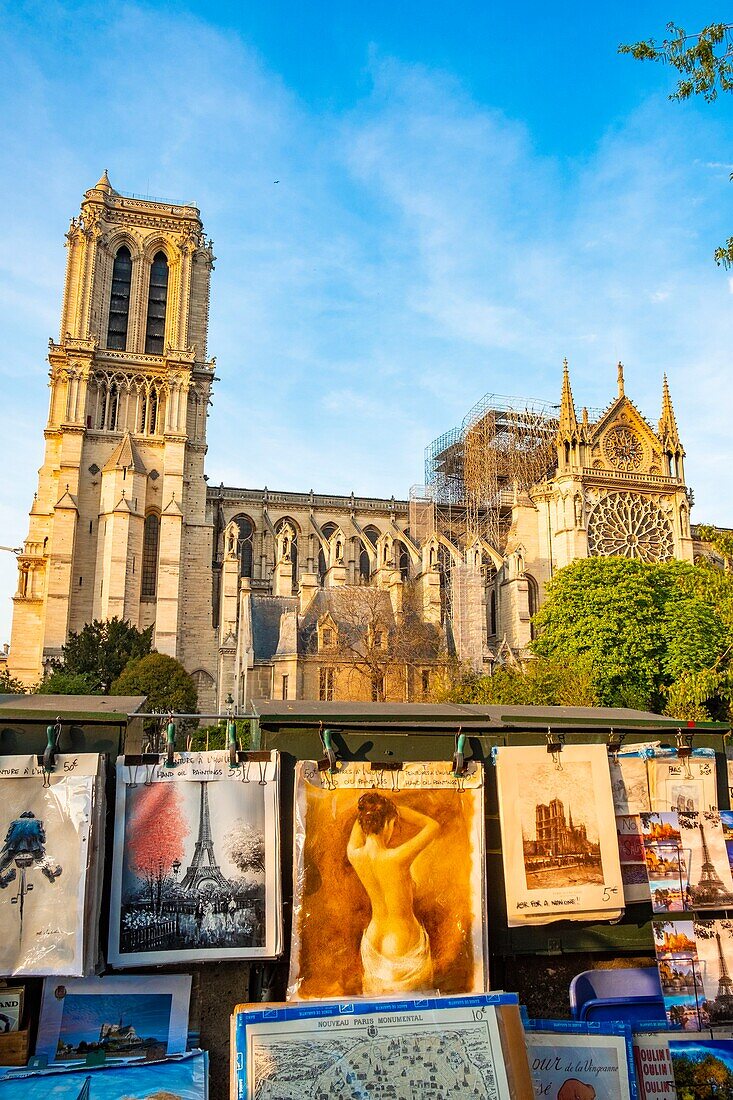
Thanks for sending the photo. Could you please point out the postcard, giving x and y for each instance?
(45, 872)
(196, 869)
(578, 1067)
(631, 857)
(449, 1046)
(686, 784)
(11, 1008)
(653, 1060)
(558, 830)
(388, 887)
(184, 1078)
(629, 783)
(687, 861)
(703, 1068)
(695, 960)
(126, 1016)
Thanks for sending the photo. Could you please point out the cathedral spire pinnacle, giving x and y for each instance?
(103, 184)
(568, 419)
(620, 370)
(667, 423)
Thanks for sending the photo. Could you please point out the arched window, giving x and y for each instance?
(245, 544)
(365, 560)
(402, 559)
(532, 601)
(327, 530)
(119, 301)
(492, 612)
(151, 536)
(157, 298)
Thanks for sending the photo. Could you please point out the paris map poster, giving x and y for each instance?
(195, 873)
(448, 1047)
(46, 876)
(558, 834)
(388, 892)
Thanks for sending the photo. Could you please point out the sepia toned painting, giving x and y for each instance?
(558, 834)
(560, 837)
(388, 893)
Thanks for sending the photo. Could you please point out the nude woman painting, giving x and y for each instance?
(395, 948)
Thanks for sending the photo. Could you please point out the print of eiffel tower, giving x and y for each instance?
(710, 889)
(721, 1009)
(203, 871)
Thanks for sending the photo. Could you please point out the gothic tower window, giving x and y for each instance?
(151, 537)
(402, 560)
(119, 302)
(365, 561)
(245, 544)
(327, 530)
(533, 601)
(157, 298)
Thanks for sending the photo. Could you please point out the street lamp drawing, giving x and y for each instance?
(25, 845)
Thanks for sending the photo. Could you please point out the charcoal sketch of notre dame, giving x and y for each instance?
(395, 949)
(25, 844)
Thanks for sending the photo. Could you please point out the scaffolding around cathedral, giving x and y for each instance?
(504, 446)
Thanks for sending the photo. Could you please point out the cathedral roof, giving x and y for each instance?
(125, 457)
(267, 611)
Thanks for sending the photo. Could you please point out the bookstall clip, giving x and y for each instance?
(684, 749)
(330, 760)
(48, 759)
(615, 741)
(555, 742)
(170, 748)
(460, 764)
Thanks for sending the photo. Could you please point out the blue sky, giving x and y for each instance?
(465, 196)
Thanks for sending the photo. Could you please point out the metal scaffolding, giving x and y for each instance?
(504, 446)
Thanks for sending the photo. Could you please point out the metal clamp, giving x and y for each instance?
(53, 738)
(170, 744)
(460, 765)
(615, 741)
(331, 757)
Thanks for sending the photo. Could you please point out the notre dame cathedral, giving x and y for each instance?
(252, 589)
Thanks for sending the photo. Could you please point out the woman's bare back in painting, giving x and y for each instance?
(395, 949)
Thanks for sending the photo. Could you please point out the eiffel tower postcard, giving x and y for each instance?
(710, 880)
(196, 862)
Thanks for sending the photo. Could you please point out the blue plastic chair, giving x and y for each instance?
(632, 995)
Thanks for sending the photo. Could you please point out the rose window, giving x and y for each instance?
(629, 526)
(623, 448)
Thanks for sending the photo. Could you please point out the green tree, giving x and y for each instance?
(651, 636)
(541, 682)
(162, 679)
(61, 682)
(101, 650)
(705, 63)
(9, 685)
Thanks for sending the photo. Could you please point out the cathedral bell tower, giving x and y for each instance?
(118, 525)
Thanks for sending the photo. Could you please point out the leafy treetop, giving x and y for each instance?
(101, 650)
(163, 679)
(705, 62)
